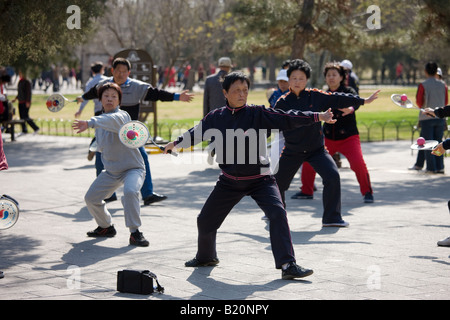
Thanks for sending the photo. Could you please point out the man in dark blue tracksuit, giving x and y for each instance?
(239, 134)
(307, 143)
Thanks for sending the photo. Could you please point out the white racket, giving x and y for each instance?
(9, 212)
(402, 101)
(135, 134)
(428, 145)
(57, 101)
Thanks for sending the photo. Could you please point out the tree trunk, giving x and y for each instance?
(303, 30)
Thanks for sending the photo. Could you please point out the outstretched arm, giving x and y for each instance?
(186, 96)
(373, 97)
(80, 125)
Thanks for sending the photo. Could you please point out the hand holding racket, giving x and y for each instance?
(57, 101)
(438, 150)
(135, 134)
(169, 147)
(429, 112)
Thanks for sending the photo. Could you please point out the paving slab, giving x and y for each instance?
(388, 252)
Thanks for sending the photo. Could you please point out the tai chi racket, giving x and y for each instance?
(57, 101)
(424, 145)
(402, 101)
(9, 212)
(135, 134)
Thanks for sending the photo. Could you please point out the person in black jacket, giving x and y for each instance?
(307, 143)
(24, 97)
(439, 150)
(341, 137)
(239, 133)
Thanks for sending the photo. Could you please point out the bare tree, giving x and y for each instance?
(174, 32)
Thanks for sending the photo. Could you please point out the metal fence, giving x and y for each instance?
(369, 131)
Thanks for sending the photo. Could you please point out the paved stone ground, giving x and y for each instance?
(388, 252)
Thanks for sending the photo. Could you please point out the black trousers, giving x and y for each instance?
(325, 166)
(24, 114)
(225, 195)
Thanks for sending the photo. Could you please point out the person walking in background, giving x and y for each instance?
(431, 94)
(24, 98)
(283, 87)
(351, 79)
(213, 97)
(97, 70)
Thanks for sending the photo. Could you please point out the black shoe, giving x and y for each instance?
(137, 239)
(368, 198)
(294, 271)
(103, 232)
(301, 195)
(2, 275)
(196, 263)
(154, 198)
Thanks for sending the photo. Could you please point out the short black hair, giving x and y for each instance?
(5, 78)
(96, 67)
(234, 76)
(285, 64)
(299, 64)
(123, 61)
(431, 68)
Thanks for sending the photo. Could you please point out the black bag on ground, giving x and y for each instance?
(137, 281)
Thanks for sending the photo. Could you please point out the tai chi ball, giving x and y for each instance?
(131, 134)
(404, 97)
(420, 141)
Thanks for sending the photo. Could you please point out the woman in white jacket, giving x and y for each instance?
(123, 166)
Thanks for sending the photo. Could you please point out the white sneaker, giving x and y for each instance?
(444, 243)
(341, 224)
